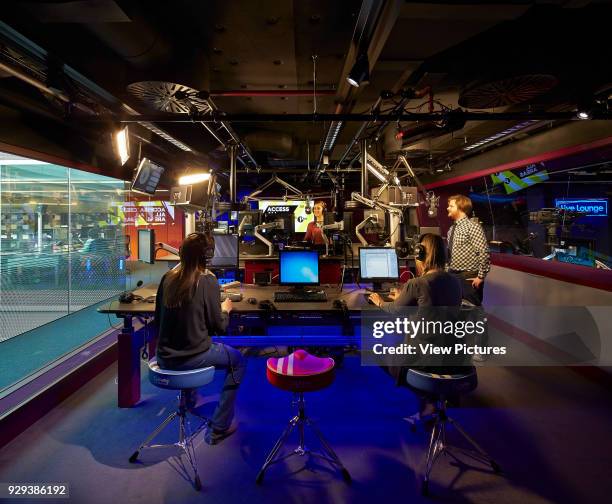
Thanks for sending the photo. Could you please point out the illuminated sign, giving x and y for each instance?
(144, 213)
(572, 259)
(530, 175)
(592, 207)
(278, 209)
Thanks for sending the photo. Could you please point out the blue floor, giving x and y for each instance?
(547, 427)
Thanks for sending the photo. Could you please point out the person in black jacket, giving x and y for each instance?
(187, 311)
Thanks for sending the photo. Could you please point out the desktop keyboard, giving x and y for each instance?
(300, 297)
(234, 296)
(385, 297)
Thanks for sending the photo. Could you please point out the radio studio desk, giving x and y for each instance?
(285, 324)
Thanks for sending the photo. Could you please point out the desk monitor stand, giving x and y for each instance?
(378, 287)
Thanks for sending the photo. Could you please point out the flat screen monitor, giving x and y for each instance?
(146, 246)
(377, 265)
(300, 217)
(299, 267)
(147, 177)
(226, 252)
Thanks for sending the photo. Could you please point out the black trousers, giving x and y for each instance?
(470, 294)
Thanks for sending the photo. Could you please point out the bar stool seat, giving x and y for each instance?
(298, 373)
(442, 386)
(185, 382)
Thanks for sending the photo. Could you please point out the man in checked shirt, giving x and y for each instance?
(468, 250)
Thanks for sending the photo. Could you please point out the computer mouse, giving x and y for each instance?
(340, 304)
(252, 300)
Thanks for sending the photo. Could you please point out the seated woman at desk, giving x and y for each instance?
(433, 287)
(188, 309)
(314, 233)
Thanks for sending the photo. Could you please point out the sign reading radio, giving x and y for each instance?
(592, 207)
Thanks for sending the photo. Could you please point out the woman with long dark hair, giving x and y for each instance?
(188, 310)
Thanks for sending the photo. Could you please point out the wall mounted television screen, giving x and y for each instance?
(147, 177)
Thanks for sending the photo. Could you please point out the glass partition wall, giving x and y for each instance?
(62, 250)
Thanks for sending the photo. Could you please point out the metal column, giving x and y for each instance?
(364, 168)
(233, 153)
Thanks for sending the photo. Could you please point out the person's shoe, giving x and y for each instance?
(214, 436)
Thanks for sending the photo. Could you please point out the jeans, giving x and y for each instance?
(222, 357)
(470, 294)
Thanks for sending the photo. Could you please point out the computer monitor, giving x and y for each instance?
(378, 265)
(146, 246)
(299, 268)
(147, 177)
(226, 252)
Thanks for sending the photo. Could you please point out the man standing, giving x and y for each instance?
(468, 251)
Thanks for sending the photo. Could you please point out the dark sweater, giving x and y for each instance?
(429, 293)
(434, 289)
(185, 331)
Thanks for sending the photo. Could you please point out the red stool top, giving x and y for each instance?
(300, 371)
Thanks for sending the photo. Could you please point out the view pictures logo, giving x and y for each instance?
(412, 328)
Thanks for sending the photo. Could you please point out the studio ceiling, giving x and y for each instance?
(292, 57)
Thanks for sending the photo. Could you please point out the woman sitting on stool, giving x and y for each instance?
(188, 309)
(433, 287)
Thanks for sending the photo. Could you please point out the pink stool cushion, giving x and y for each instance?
(300, 372)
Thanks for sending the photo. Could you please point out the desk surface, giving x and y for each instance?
(351, 294)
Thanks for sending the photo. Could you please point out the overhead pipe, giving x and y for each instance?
(274, 92)
(404, 116)
(56, 93)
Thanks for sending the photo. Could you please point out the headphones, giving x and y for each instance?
(419, 250)
(206, 241)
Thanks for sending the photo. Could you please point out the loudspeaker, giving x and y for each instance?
(262, 278)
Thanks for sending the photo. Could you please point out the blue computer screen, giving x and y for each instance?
(378, 263)
(299, 267)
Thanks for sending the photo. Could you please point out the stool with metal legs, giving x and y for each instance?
(298, 373)
(442, 387)
(186, 382)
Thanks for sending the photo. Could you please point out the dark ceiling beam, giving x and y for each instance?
(569, 139)
(374, 24)
(405, 117)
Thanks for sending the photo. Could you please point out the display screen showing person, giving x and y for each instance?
(314, 231)
(469, 257)
(188, 310)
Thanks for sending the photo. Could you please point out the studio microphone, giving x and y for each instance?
(432, 203)
(129, 296)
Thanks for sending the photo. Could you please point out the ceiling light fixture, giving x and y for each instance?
(360, 73)
(332, 134)
(122, 144)
(583, 115)
(194, 178)
(507, 132)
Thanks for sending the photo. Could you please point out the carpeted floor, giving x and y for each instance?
(547, 427)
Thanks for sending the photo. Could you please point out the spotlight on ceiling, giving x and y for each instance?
(360, 73)
(584, 109)
(583, 114)
(121, 142)
(193, 178)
